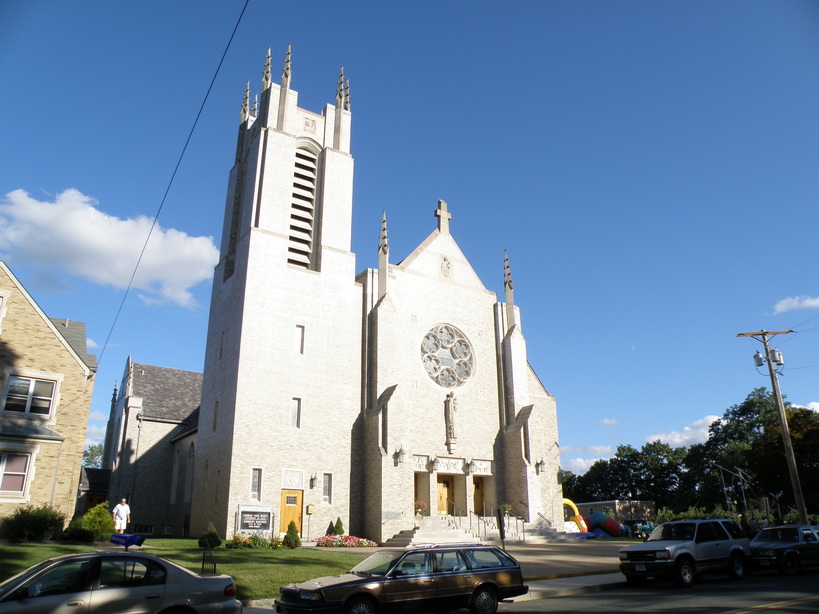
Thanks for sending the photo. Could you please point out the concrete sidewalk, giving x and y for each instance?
(551, 569)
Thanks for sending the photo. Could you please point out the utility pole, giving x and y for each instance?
(783, 419)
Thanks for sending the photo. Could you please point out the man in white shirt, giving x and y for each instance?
(121, 516)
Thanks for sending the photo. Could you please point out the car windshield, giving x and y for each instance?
(377, 563)
(682, 531)
(781, 534)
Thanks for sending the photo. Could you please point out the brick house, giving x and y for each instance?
(47, 383)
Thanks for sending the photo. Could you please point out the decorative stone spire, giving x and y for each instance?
(511, 317)
(340, 90)
(284, 92)
(383, 243)
(383, 256)
(245, 100)
(266, 77)
(443, 218)
(286, 73)
(347, 95)
(254, 111)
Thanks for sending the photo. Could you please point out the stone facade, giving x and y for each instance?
(329, 395)
(47, 383)
(150, 446)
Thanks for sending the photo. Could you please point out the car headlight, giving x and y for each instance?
(310, 596)
(662, 555)
(624, 556)
(764, 552)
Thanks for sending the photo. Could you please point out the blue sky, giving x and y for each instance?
(651, 168)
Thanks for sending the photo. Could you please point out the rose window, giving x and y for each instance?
(447, 356)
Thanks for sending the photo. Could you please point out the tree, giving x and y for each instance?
(92, 456)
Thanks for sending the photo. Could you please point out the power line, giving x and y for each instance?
(170, 182)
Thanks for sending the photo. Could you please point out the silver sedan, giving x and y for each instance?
(109, 582)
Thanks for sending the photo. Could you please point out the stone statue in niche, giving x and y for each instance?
(450, 407)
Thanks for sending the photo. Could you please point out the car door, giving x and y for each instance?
(809, 553)
(61, 589)
(128, 584)
(712, 546)
(453, 578)
(411, 585)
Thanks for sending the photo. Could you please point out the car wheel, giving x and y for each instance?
(684, 573)
(736, 567)
(484, 601)
(361, 605)
(790, 564)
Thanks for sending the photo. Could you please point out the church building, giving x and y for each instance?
(367, 397)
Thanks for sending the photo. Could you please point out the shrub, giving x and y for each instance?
(292, 539)
(75, 532)
(339, 528)
(98, 521)
(33, 524)
(210, 538)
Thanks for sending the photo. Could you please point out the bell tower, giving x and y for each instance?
(284, 317)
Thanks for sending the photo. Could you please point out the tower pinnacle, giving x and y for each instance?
(266, 78)
(511, 316)
(286, 72)
(383, 256)
(340, 90)
(245, 101)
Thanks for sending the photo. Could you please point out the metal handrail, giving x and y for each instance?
(207, 559)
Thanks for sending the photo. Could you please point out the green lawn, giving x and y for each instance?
(258, 573)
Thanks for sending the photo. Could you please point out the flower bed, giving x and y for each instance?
(343, 541)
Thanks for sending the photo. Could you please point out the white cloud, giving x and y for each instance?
(586, 450)
(578, 466)
(94, 434)
(92, 345)
(814, 406)
(696, 432)
(796, 302)
(584, 457)
(70, 236)
(608, 422)
(97, 416)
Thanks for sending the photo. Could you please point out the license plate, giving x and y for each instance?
(640, 567)
(765, 563)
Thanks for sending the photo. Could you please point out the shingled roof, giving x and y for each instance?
(167, 394)
(74, 333)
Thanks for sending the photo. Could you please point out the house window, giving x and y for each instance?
(295, 413)
(327, 488)
(13, 472)
(256, 484)
(30, 396)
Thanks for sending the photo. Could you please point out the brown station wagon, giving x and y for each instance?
(431, 577)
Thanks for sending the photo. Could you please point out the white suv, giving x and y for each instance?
(683, 548)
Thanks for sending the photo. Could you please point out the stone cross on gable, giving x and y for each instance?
(443, 217)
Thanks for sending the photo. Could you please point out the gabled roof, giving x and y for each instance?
(167, 394)
(78, 346)
(74, 333)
